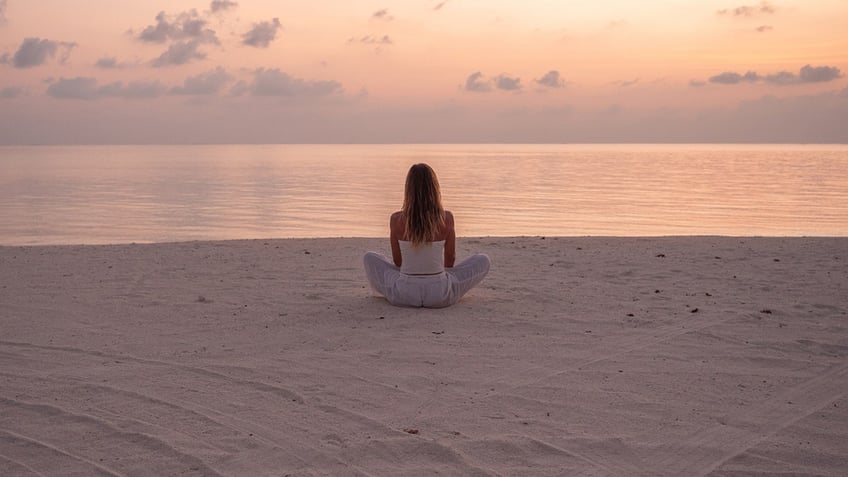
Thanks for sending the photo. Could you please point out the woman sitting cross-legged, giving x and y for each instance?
(423, 241)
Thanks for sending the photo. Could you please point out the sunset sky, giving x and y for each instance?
(313, 71)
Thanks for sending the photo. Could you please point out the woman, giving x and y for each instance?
(423, 241)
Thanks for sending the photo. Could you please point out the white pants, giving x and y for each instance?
(432, 291)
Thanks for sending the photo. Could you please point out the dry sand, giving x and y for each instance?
(576, 356)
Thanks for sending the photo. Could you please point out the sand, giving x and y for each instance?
(576, 356)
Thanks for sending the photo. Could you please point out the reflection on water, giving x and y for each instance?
(108, 194)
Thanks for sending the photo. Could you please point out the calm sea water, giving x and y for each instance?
(115, 194)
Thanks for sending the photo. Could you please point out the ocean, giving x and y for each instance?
(123, 194)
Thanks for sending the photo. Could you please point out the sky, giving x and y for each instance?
(423, 71)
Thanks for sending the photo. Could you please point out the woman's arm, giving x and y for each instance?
(450, 240)
(394, 237)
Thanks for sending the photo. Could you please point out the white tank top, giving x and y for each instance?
(425, 259)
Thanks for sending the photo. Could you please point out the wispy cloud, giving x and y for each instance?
(782, 77)
(382, 14)
(551, 79)
(262, 33)
(222, 5)
(184, 26)
(440, 5)
(507, 83)
(731, 77)
(36, 51)
(764, 28)
(185, 32)
(627, 83)
(3, 4)
(764, 8)
(807, 74)
(180, 53)
(208, 83)
(372, 40)
(476, 83)
(108, 63)
(273, 82)
(84, 88)
(818, 74)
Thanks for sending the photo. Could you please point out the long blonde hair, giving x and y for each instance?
(422, 212)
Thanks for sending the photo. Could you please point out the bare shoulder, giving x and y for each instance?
(396, 224)
(448, 217)
(395, 218)
(448, 227)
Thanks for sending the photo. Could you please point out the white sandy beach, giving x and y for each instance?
(576, 356)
